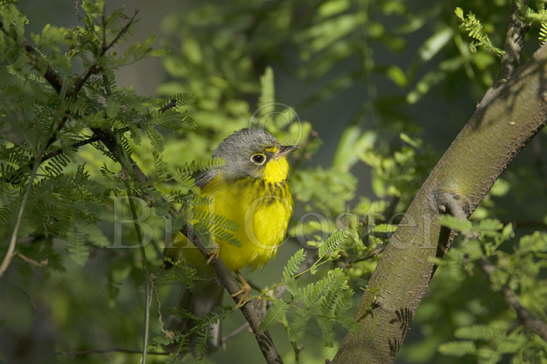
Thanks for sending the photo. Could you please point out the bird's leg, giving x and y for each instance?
(213, 254)
(244, 294)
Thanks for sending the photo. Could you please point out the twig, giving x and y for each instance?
(13, 241)
(527, 319)
(95, 138)
(95, 68)
(148, 289)
(31, 261)
(108, 351)
(235, 332)
(171, 104)
(377, 251)
(147, 304)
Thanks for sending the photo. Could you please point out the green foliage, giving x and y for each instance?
(228, 67)
(475, 30)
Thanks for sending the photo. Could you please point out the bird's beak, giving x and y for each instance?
(286, 149)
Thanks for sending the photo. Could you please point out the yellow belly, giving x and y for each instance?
(258, 213)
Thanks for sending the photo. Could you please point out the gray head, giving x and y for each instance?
(248, 153)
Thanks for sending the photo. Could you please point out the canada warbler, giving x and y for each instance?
(249, 192)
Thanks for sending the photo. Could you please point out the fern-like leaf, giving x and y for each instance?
(333, 243)
(475, 30)
(293, 264)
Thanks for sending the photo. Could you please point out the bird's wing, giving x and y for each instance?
(203, 177)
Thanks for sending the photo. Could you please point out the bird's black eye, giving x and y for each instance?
(258, 158)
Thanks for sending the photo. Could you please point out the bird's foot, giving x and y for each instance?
(214, 253)
(244, 294)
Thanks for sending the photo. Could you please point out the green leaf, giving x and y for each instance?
(293, 264)
(353, 143)
(275, 313)
(435, 43)
(459, 13)
(77, 248)
(397, 75)
(458, 348)
(479, 332)
(454, 223)
(266, 103)
(384, 228)
(333, 7)
(333, 242)
(192, 50)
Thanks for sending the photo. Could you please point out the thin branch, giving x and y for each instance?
(171, 104)
(147, 305)
(13, 241)
(95, 68)
(109, 351)
(527, 319)
(95, 138)
(235, 332)
(514, 41)
(31, 261)
(249, 310)
(375, 252)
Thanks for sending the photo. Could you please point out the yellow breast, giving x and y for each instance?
(259, 211)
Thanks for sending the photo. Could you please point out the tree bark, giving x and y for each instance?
(503, 123)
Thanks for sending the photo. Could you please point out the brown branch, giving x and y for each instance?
(514, 42)
(482, 150)
(10, 253)
(95, 68)
(108, 351)
(93, 139)
(249, 309)
(31, 261)
(235, 332)
(37, 59)
(527, 319)
(171, 104)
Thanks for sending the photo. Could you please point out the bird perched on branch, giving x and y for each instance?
(245, 206)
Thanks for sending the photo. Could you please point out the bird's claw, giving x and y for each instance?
(244, 294)
(213, 254)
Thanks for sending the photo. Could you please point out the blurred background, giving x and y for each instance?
(383, 67)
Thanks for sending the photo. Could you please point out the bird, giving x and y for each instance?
(245, 204)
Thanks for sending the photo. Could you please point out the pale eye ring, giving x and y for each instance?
(258, 158)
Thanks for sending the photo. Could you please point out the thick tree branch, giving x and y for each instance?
(480, 153)
(527, 319)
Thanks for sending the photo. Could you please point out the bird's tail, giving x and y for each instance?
(195, 322)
